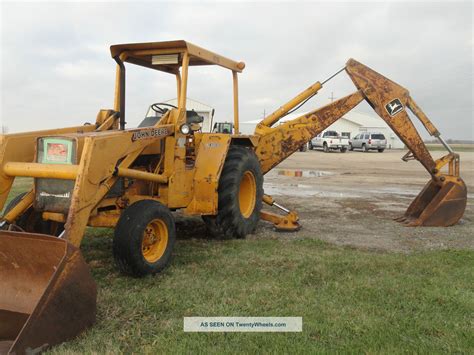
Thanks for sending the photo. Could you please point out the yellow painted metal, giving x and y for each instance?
(183, 86)
(200, 55)
(107, 119)
(141, 175)
(101, 153)
(247, 194)
(207, 172)
(117, 89)
(155, 240)
(279, 142)
(104, 219)
(178, 85)
(268, 199)
(286, 223)
(37, 170)
(432, 130)
(54, 216)
(272, 118)
(21, 147)
(17, 210)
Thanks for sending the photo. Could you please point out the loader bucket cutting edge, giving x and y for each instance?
(437, 206)
(47, 294)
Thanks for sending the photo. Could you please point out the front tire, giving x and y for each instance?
(351, 148)
(325, 148)
(144, 238)
(380, 150)
(310, 145)
(240, 195)
(343, 149)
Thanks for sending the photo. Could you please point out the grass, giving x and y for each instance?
(350, 300)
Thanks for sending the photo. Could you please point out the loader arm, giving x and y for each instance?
(443, 200)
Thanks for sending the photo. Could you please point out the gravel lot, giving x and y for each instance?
(351, 199)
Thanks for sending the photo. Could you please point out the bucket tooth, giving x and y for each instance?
(437, 205)
(47, 295)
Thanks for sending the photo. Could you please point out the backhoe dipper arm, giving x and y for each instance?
(388, 99)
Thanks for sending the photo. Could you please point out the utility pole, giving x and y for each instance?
(331, 97)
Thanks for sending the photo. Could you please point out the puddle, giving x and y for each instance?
(301, 173)
(301, 190)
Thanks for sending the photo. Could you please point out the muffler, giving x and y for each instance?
(439, 204)
(47, 294)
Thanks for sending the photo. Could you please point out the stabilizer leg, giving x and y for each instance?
(285, 223)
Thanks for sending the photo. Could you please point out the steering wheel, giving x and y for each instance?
(161, 110)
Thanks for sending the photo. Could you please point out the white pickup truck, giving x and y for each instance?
(330, 140)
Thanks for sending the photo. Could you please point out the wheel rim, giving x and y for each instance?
(155, 240)
(247, 193)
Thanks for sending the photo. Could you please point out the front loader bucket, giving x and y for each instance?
(47, 294)
(437, 205)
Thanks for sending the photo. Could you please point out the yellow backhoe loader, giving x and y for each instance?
(131, 179)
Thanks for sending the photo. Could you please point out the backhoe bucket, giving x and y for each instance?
(437, 205)
(47, 294)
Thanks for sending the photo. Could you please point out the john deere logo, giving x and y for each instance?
(149, 133)
(394, 107)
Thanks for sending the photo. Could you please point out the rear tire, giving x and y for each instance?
(380, 150)
(325, 148)
(31, 221)
(343, 150)
(240, 195)
(144, 238)
(364, 148)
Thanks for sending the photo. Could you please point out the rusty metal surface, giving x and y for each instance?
(282, 223)
(441, 203)
(443, 200)
(380, 92)
(278, 143)
(48, 294)
(207, 173)
(437, 205)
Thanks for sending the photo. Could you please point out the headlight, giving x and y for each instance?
(185, 129)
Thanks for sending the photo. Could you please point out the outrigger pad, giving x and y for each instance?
(437, 205)
(47, 294)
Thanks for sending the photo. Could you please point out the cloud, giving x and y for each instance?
(57, 71)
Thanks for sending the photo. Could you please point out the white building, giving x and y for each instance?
(349, 125)
(201, 109)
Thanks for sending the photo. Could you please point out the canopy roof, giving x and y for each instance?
(142, 54)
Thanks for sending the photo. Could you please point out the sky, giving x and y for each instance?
(56, 68)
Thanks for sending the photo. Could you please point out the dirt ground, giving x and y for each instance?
(352, 198)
